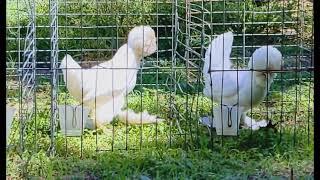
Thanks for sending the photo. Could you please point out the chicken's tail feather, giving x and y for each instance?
(217, 58)
(69, 63)
(218, 53)
(71, 75)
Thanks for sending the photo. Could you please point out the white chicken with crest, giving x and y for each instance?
(103, 88)
(245, 88)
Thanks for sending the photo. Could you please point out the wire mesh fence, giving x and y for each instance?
(169, 82)
(280, 24)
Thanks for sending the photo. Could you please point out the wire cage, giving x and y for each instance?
(21, 81)
(282, 24)
(169, 82)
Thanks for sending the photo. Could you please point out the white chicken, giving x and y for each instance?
(247, 87)
(103, 88)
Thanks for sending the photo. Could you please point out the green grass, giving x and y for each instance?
(176, 149)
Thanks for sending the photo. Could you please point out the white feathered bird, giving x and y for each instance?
(103, 88)
(247, 88)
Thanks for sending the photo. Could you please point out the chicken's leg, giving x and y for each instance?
(252, 123)
(137, 118)
(208, 121)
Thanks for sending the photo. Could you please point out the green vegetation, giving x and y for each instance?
(91, 24)
(178, 148)
(173, 149)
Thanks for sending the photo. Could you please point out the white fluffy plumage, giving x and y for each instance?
(102, 88)
(231, 87)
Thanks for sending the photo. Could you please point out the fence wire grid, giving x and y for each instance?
(169, 82)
